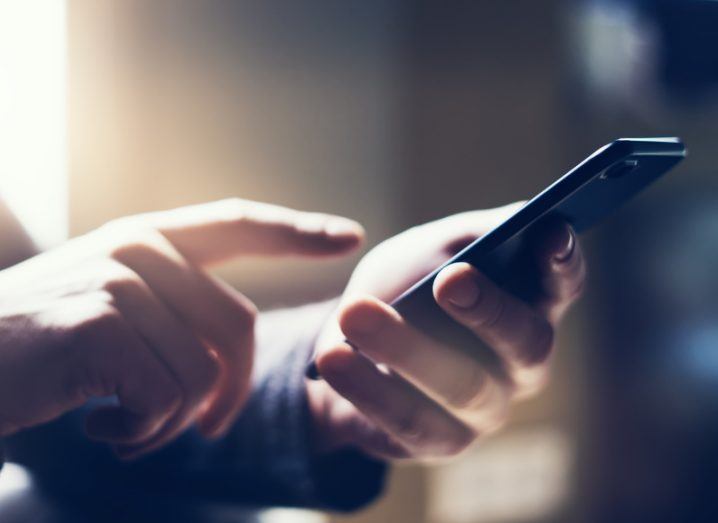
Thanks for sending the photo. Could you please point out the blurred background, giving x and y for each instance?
(396, 112)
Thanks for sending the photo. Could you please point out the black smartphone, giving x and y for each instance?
(582, 197)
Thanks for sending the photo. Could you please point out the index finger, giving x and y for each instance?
(214, 232)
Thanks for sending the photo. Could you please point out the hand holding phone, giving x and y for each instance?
(433, 394)
(593, 189)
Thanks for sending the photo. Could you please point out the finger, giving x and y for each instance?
(349, 427)
(452, 377)
(125, 366)
(218, 314)
(403, 412)
(521, 337)
(373, 441)
(193, 365)
(562, 267)
(214, 232)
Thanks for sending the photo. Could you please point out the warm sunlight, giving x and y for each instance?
(33, 134)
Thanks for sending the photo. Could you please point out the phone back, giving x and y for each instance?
(583, 197)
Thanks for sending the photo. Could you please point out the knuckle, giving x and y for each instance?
(235, 209)
(127, 250)
(122, 281)
(471, 393)
(490, 315)
(411, 428)
(235, 203)
(129, 240)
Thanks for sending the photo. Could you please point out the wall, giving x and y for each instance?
(391, 112)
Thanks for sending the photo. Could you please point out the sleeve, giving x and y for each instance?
(265, 459)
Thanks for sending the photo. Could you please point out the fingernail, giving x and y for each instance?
(342, 227)
(568, 246)
(463, 293)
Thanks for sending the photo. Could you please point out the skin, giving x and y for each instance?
(428, 400)
(129, 311)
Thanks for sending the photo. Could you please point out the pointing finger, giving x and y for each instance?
(214, 232)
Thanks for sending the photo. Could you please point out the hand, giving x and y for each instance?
(128, 311)
(427, 399)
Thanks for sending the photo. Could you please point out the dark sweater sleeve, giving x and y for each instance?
(265, 459)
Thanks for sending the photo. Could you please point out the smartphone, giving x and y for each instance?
(585, 195)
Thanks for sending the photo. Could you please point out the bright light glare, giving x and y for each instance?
(33, 134)
(13, 481)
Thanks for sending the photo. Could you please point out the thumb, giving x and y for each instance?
(214, 232)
